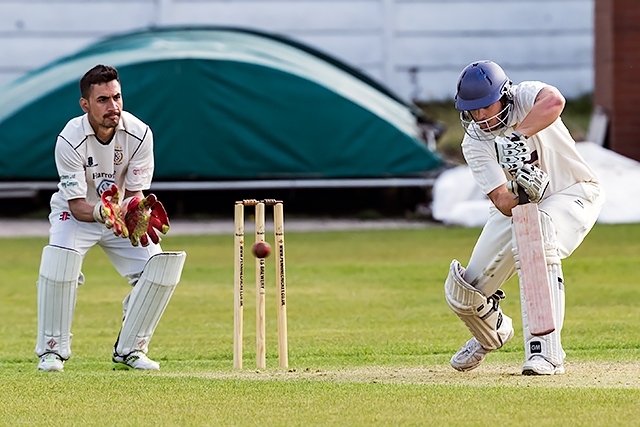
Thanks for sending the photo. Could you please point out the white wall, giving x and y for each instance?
(416, 47)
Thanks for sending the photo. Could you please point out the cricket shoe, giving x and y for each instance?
(538, 365)
(135, 360)
(51, 362)
(471, 355)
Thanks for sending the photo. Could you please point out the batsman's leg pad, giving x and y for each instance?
(554, 269)
(57, 292)
(482, 315)
(548, 346)
(549, 239)
(147, 301)
(549, 242)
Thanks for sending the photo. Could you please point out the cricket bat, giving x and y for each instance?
(533, 269)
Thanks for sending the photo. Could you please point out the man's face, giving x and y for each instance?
(488, 117)
(104, 105)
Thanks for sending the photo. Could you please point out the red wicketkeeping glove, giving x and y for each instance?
(143, 217)
(107, 211)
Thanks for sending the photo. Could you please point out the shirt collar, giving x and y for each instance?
(88, 130)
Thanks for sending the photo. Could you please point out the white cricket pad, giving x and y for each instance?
(549, 346)
(147, 301)
(482, 316)
(57, 291)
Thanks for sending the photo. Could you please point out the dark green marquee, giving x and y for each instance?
(224, 104)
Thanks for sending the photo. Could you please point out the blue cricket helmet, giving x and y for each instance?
(480, 84)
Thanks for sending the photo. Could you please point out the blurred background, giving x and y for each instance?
(339, 107)
(416, 48)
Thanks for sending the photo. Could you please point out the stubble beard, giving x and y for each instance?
(110, 123)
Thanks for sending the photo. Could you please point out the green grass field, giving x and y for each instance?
(370, 337)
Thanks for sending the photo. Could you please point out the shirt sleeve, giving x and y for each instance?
(70, 166)
(525, 96)
(482, 161)
(141, 165)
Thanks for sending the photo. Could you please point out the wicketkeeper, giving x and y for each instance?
(105, 160)
(519, 152)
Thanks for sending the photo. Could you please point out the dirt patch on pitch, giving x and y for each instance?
(579, 375)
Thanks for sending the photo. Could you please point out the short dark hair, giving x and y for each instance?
(98, 74)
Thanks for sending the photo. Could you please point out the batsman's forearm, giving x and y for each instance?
(503, 200)
(546, 109)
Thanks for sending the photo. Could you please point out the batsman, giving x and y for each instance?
(105, 161)
(519, 152)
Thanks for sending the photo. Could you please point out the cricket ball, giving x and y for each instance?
(261, 249)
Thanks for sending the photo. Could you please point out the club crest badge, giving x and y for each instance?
(118, 155)
(104, 185)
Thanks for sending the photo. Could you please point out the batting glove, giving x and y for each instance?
(513, 152)
(144, 218)
(107, 211)
(517, 192)
(534, 181)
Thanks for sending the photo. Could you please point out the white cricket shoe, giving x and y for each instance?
(135, 360)
(51, 362)
(471, 355)
(538, 365)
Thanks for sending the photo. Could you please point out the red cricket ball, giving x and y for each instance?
(261, 249)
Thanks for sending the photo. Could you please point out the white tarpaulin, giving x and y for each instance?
(457, 200)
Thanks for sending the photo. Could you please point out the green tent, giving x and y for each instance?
(225, 104)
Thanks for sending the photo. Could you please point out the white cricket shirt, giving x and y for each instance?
(555, 148)
(88, 167)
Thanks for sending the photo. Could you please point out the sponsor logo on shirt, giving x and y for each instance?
(109, 175)
(64, 216)
(90, 163)
(118, 155)
(69, 180)
(141, 171)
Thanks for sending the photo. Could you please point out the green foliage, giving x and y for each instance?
(370, 337)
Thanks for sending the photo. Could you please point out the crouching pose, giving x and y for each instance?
(100, 156)
(519, 151)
